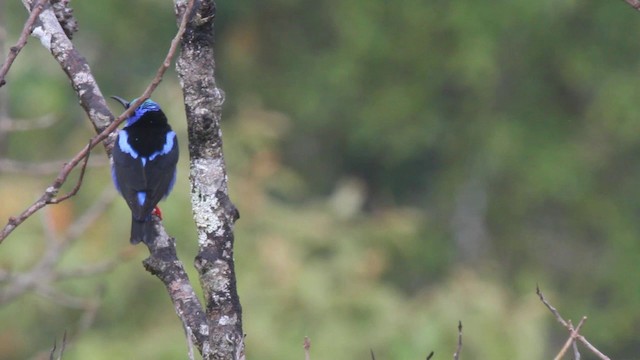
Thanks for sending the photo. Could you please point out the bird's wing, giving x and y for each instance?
(161, 174)
(130, 178)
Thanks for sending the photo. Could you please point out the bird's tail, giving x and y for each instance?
(142, 231)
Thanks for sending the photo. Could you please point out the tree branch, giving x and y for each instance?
(573, 332)
(52, 36)
(307, 347)
(45, 272)
(22, 40)
(456, 355)
(213, 211)
(164, 263)
(76, 188)
(8, 125)
(40, 169)
(571, 340)
(50, 193)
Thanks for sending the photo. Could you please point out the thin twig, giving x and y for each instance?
(574, 334)
(9, 166)
(456, 355)
(90, 312)
(571, 340)
(167, 60)
(58, 297)
(49, 196)
(44, 271)
(90, 216)
(574, 344)
(53, 350)
(53, 189)
(8, 124)
(307, 347)
(88, 270)
(551, 308)
(63, 346)
(52, 354)
(22, 40)
(75, 189)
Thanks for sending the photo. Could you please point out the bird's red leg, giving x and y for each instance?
(156, 211)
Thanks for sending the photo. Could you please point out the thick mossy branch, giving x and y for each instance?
(213, 211)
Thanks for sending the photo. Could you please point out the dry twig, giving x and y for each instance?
(44, 272)
(22, 41)
(456, 355)
(62, 346)
(571, 340)
(574, 335)
(10, 125)
(307, 347)
(8, 166)
(75, 189)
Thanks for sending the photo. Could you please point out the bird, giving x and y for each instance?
(143, 169)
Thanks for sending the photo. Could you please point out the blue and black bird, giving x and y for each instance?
(144, 164)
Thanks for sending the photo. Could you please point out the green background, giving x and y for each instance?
(398, 166)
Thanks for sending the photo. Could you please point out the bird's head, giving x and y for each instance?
(146, 106)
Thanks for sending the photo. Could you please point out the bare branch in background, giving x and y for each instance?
(44, 273)
(10, 125)
(571, 341)
(52, 355)
(456, 355)
(22, 41)
(42, 277)
(307, 347)
(50, 194)
(53, 37)
(8, 166)
(573, 333)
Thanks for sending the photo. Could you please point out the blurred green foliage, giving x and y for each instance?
(398, 166)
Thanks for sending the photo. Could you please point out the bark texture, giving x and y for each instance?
(213, 212)
(163, 262)
(216, 328)
(52, 36)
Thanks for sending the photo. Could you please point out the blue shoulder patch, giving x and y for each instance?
(168, 145)
(123, 144)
